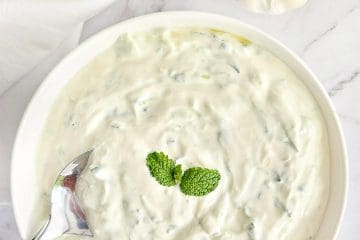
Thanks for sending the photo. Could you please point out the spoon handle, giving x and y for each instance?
(42, 231)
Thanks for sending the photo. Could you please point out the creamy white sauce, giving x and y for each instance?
(272, 6)
(206, 98)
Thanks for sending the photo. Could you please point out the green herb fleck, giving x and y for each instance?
(163, 169)
(236, 69)
(205, 76)
(59, 180)
(251, 230)
(94, 169)
(288, 140)
(244, 41)
(199, 181)
(281, 206)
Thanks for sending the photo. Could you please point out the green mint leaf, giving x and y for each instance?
(162, 168)
(195, 181)
(177, 173)
(199, 181)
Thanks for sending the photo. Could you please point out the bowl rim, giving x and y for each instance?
(16, 161)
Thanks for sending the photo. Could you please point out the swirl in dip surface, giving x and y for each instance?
(206, 98)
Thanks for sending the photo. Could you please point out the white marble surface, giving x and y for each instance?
(325, 33)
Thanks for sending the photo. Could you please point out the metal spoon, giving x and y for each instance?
(66, 215)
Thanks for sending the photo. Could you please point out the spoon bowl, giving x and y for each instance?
(66, 214)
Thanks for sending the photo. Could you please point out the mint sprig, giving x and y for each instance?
(163, 169)
(199, 181)
(195, 181)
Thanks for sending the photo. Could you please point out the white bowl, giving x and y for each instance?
(23, 179)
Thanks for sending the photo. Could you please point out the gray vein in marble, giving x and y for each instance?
(158, 6)
(353, 9)
(134, 5)
(7, 89)
(2, 76)
(343, 83)
(328, 30)
(126, 9)
(319, 37)
(350, 118)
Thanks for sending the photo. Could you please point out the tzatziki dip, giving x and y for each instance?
(207, 99)
(272, 6)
